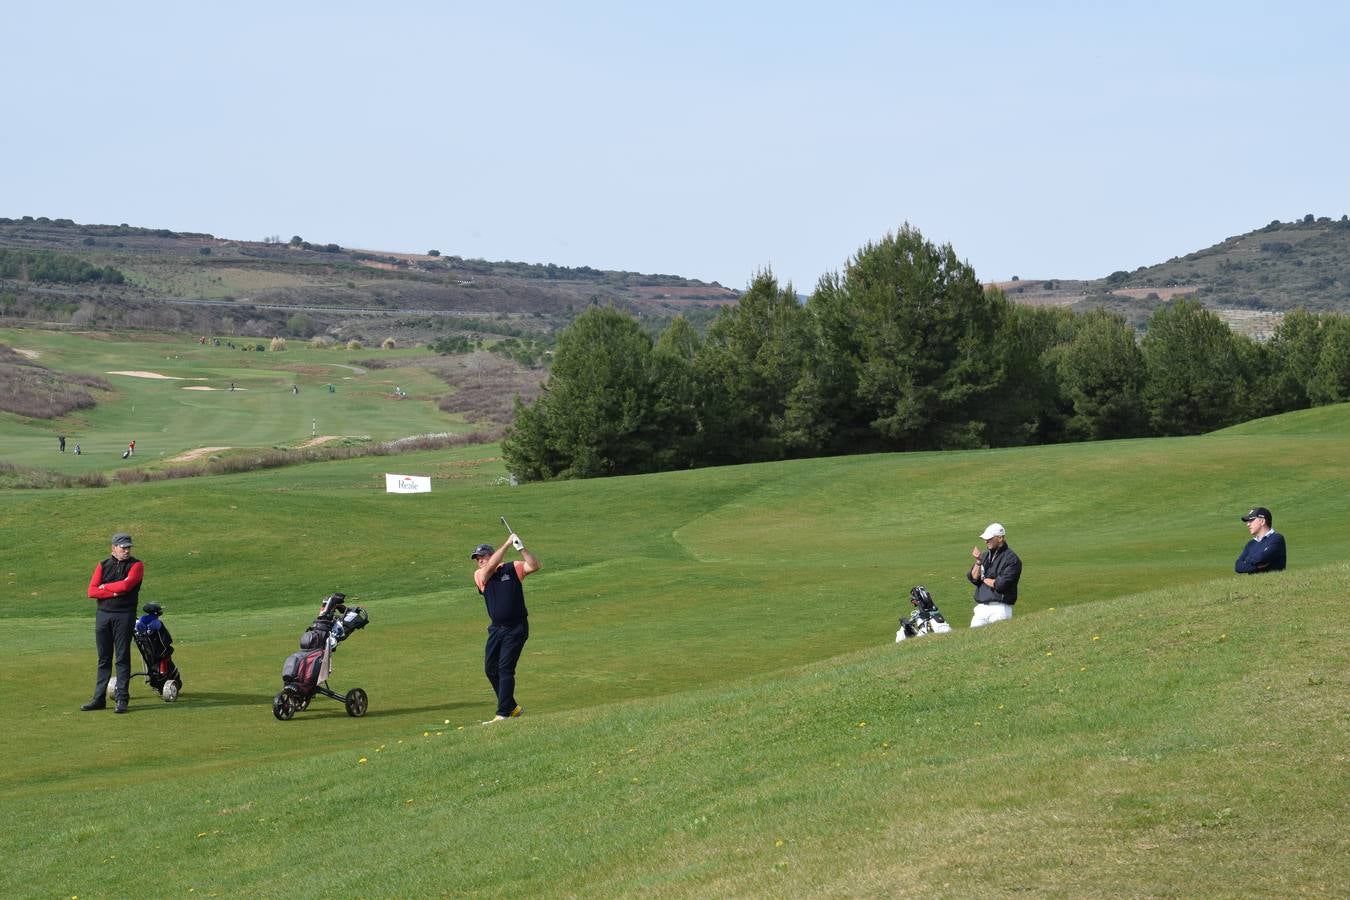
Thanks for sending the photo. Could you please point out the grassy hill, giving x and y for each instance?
(172, 395)
(208, 285)
(1250, 279)
(714, 702)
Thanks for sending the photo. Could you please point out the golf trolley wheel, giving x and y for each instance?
(357, 702)
(283, 706)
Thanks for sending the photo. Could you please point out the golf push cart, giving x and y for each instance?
(305, 674)
(156, 646)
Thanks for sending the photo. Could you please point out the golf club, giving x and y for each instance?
(517, 543)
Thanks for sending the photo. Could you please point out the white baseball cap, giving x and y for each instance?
(994, 530)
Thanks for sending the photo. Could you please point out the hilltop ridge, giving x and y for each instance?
(192, 280)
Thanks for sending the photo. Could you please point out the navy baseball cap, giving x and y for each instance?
(121, 539)
(482, 550)
(1260, 512)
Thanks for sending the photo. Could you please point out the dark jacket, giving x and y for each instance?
(121, 577)
(1005, 567)
(1265, 555)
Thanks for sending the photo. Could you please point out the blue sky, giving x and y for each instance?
(710, 140)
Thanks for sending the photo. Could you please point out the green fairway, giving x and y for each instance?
(714, 703)
(177, 399)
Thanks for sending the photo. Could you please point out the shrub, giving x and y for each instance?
(353, 344)
(388, 344)
(321, 342)
(278, 344)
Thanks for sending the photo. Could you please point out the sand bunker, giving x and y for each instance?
(196, 454)
(322, 439)
(202, 387)
(31, 354)
(148, 375)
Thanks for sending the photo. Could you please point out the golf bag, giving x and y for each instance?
(305, 674)
(304, 670)
(156, 647)
(126, 453)
(924, 619)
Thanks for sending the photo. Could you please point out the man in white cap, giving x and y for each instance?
(995, 575)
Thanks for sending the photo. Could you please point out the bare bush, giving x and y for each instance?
(486, 386)
(353, 344)
(29, 389)
(321, 342)
(388, 344)
(278, 344)
(25, 477)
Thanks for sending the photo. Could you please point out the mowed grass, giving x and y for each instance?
(194, 408)
(1066, 753)
(714, 704)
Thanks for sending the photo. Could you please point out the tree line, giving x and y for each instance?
(903, 350)
(51, 267)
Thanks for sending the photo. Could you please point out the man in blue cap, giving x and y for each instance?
(116, 585)
(500, 584)
(1265, 551)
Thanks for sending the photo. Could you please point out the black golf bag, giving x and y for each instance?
(305, 673)
(156, 646)
(924, 619)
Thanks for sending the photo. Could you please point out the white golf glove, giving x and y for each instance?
(516, 542)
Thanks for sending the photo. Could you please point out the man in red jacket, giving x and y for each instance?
(116, 585)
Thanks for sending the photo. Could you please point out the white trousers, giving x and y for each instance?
(990, 612)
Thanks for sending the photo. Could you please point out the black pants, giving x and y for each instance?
(112, 637)
(500, 656)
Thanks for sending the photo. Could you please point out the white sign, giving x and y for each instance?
(407, 484)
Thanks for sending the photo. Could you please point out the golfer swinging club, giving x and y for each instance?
(500, 585)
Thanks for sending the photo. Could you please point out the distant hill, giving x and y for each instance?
(260, 286)
(1250, 280)
(195, 281)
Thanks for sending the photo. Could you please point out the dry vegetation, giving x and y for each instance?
(33, 390)
(486, 386)
(254, 460)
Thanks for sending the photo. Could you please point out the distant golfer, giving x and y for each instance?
(1265, 551)
(116, 585)
(61, 442)
(995, 575)
(504, 595)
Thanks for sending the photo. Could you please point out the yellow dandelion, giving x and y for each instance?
(362, 760)
(1049, 653)
(862, 724)
(201, 834)
(1096, 637)
(778, 843)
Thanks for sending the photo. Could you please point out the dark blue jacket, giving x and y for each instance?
(1265, 555)
(1005, 567)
